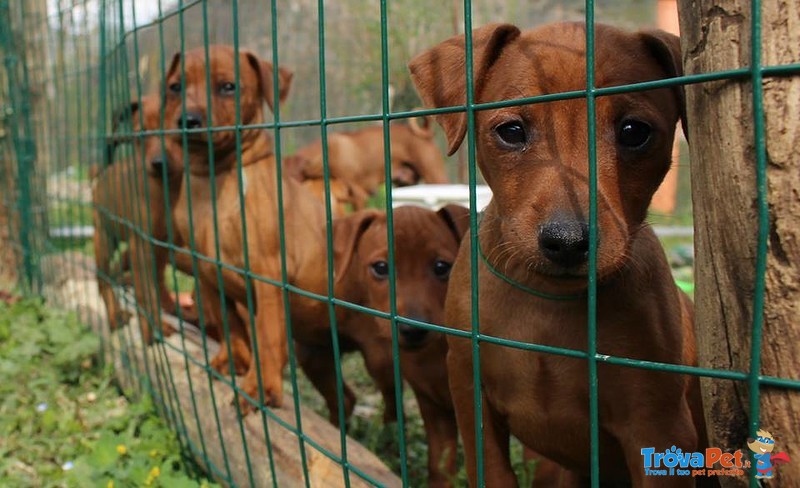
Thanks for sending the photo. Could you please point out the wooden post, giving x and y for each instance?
(717, 36)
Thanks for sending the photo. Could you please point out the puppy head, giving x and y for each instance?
(415, 155)
(535, 157)
(425, 246)
(209, 88)
(159, 155)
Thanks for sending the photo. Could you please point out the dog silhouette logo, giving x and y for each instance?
(766, 461)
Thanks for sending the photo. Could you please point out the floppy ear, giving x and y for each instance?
(174, 66)
(457, 219)
(123, 114)
(440, 74)
(347, 232)
(263, 70)
(293, 167)
(666, 49)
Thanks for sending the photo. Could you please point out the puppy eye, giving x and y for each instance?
(227, 88)
(379, 269)
(175, 87)
(442, 269)
(634, 134)
(512, 133)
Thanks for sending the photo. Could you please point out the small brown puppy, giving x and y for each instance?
(127, 192)
(357, 158)
(341, 194)
(425, 246)
(535, 232)
(217, 201)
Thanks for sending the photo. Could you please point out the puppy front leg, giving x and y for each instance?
(103, 250)
(660, 431)
(318, 365)
(269, 345)
(214, 328)
(141, 253)
(548, 474)
(442, 435)
(378, 360)
(168, 303)
(496, 459)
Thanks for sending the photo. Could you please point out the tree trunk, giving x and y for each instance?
(717, 36)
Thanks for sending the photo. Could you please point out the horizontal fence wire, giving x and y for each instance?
(106, 74)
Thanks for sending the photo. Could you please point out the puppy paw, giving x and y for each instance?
(273, 393)
(220, 362)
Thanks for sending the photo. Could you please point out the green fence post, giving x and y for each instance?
(24, 147)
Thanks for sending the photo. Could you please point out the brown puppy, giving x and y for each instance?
(128, 192)
(215, 202)
(425, 246)
(357, 158)
(341, 194)
(535, 232)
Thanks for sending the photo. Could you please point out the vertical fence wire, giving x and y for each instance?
(323, 127)
(763, 221)
(284, 276)
(591, 124)
(390, 245)
(472, 172)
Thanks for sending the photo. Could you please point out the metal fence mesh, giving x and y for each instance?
(69, 67)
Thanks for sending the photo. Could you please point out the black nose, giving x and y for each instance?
(192, 120)
(565, 242)
(157, 165)
(412, 336)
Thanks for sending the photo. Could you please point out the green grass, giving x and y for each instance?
(64, 213)
(66, 244)
(63, 422)
(184, 282)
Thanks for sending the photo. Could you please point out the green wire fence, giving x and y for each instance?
(70, 64)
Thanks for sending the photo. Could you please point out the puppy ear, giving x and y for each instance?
(666, 49)
(440, 74)
(347, 232)
(263, 70)
(122, 115)
(174, 66)
(457, 219)
(293, 167)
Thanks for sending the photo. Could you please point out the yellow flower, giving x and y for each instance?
(152, 475)
(110, 484)
(121, 449)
